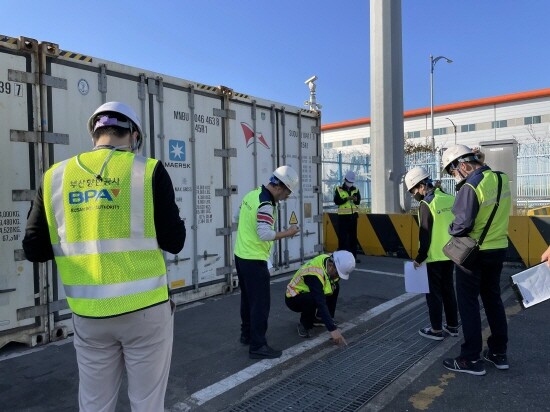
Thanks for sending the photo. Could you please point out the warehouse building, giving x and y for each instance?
(522, 118)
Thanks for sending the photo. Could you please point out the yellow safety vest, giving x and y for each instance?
(248, 244)
(315, 267)
(486, 191)
(440, 208)
(103, 233)
(349, 207)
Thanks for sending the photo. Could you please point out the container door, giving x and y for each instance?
(299, 148)
(189, 142)
(21, 282)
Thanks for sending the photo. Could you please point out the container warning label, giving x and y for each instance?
(293, 219)
(10, 225)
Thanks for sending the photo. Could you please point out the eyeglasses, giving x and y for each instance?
(452, 167)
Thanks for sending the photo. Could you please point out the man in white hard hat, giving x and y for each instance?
(434, 218)
(478, 188)
(255, 236)
(314, 289)
(347, 198)
(105, 215)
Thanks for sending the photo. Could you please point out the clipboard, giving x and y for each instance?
(416, 280)
(532, 286)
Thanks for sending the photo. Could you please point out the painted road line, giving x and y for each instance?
(204, 395)
(378, 272)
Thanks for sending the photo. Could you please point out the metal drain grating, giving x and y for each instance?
(347, 379)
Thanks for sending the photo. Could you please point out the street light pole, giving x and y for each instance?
(433, 61)
(454, 126)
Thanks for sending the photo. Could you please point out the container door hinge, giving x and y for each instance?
(23, 195)
(34, 137)
(224, 270)
(227, 113)
(316, 189)
(316, 159)
(315, 129)
(225, 152)
(318, 248)
(36, 78)
(226, 231)
(317, 218)
(102, 79)
(41, 310)
(233, 190)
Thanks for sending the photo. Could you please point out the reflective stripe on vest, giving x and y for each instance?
(315, 267)
(349, 207)
(440, 208)
(109, 276)
(114, 290)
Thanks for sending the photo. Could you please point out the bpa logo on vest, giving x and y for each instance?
(76, 198)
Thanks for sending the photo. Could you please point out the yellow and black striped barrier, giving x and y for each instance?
(397, 235)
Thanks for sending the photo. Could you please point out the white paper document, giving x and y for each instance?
(533, 284)
(416, 280)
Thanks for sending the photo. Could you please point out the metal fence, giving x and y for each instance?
(533, 174)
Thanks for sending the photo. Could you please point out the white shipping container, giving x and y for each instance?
(215, 143)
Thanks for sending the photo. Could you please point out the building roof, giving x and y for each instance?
(486, 101)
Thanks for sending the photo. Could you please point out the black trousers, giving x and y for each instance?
(347, 233)
(484, 281)
(442, 294)
(255, 299)
(306, 305)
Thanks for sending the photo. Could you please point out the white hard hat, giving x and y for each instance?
(456, 152)
(288, 176)
(415, 176)
(350, 176)
(344, 262)
(116, 107)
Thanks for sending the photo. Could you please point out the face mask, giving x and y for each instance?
(418, 196)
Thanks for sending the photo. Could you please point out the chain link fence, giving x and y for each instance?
(533, 174)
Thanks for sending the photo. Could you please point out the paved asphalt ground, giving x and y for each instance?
(211, 370)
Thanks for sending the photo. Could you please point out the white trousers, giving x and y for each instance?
(140, 342)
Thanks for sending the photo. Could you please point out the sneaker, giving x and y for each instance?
(303, 332)
(428, 333)
(465, 366)
(500, 361)
(264, 352)
(451, 330)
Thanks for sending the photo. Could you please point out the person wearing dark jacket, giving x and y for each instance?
(434, 217)
(347, 197)
(312, 290)
(105, 216)
(476, 198)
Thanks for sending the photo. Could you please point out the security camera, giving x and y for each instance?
(311, 79)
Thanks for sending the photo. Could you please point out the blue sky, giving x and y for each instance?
(267, 49)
